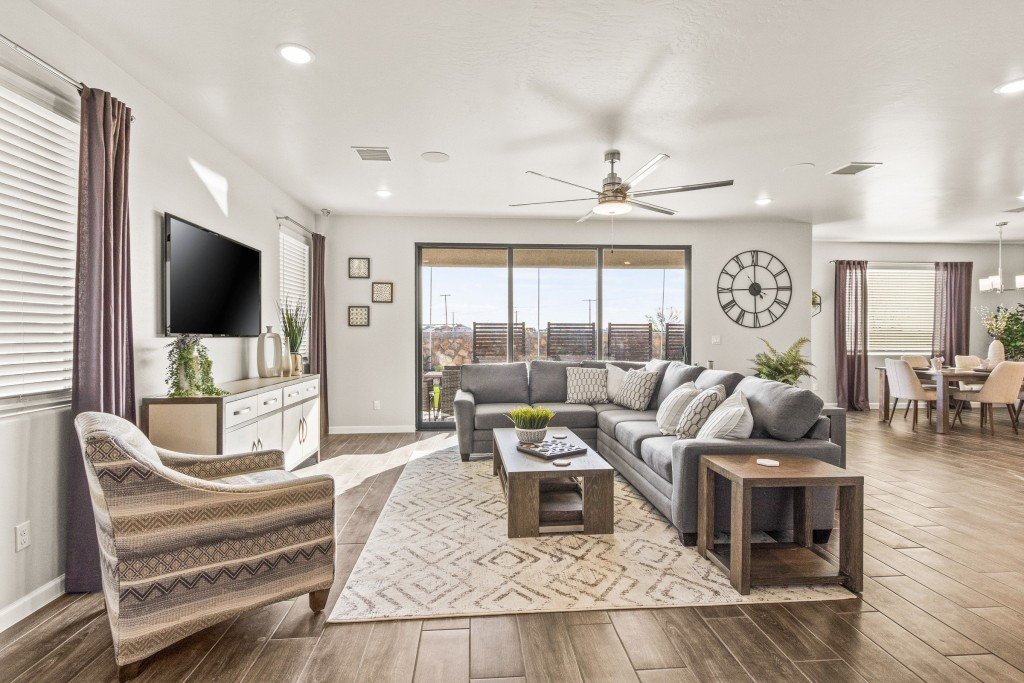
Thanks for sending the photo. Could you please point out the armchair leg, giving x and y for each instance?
(128, 671)
(1013, 417)
(907, 411)
(913, 425)
(892, 413)
(318, 600)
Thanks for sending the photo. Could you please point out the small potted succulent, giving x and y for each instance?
(531, 423)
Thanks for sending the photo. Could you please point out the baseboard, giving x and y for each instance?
(37, 599)
(373, 429)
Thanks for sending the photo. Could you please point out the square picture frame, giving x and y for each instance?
(359, 267)
(358, 316)
(382, 292)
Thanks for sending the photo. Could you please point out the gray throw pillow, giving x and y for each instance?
(637, 389)
(698, 411)
(586, 385)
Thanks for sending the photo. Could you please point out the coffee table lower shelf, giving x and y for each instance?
(781, 564)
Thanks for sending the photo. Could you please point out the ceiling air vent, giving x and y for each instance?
(373, 153)
(1019, 209)
(855, 167)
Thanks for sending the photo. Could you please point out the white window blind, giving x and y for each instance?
(295, 275)
(901, 303)
(38, 213)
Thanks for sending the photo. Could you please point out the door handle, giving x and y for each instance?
(302, 430)
(259, 444)
(253, 449)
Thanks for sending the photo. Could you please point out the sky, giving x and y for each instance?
(480, 294)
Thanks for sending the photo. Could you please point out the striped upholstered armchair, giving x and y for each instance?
(187, 541)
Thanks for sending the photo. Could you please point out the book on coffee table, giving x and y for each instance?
(551, 449)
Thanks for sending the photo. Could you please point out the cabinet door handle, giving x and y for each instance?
(253, 449)
(259, 444)
(242, 411)
(302, 430)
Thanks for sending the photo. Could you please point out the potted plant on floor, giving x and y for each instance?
(531, 423)
(787, 366)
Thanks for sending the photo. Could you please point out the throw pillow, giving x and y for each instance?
(637, 389)
(616, 375)
(586, 385)
(731, 420)
(671, 409)
(698, 411)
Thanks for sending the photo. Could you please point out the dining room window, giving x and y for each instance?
(901, 308)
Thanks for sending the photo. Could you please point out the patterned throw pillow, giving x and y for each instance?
(637, 389)
(586, 385)
(731, 420)
(699, 410)
(671, 409)
(616, 376)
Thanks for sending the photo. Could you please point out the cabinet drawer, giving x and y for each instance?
(269, 401)
(239, 411)
(301, 391)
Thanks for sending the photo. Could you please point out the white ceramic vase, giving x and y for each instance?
(996, 353)
(268, 353)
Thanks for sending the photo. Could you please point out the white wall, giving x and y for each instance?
(162, 178)
(378, 362)
(984, 257)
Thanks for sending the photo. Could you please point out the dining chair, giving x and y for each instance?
(906, 385)
(1002, 386)
(917, 362)
(968, 363)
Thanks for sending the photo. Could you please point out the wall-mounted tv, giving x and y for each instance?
(211, 283)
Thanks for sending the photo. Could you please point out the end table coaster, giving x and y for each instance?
(767, 462)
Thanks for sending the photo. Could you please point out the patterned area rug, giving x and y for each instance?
(440, 549)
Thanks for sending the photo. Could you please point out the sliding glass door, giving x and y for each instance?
(501, 303)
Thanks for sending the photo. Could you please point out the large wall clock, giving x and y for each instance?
(754, 288)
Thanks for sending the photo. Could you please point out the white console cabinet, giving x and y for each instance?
(256, 415)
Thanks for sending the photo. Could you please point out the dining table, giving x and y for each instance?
(943, 380)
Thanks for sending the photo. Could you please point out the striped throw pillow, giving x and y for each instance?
(731, 420)
(699, 410)
(671, 409)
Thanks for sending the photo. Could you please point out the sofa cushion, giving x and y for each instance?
(731, 420)
(637, 390)
(699, 410)
(622, 364)
(658, 366)
(493, 415)
(601, 407)
(570, 414)
(253, 478)
(632, 433)
(547, 380)
(657, 453)
(586, 385)
(727, 379)
(616, 376)
(496, 383)
(780, 411)
(676, 375)
(607, 419)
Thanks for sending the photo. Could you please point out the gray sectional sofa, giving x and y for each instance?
(787, 420)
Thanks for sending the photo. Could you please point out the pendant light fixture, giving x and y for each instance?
(994, 283)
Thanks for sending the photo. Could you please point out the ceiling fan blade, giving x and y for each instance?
(591, 213)
(558, 180)
(651, 207)
(557, 201)
(644, 170)
(681, 188)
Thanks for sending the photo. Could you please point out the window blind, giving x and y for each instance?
(901, 308)
(295, 275)
(38, 214)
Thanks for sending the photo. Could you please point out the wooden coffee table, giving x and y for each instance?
(775, 564)
(539, 494)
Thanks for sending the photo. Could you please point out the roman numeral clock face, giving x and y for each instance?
(754, 288)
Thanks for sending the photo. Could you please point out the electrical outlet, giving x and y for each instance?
(22, 536)
(376, 405)
(716, 339)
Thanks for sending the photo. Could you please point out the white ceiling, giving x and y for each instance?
(728, 88)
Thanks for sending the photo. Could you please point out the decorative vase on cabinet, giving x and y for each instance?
(269, 357)
(996, 353)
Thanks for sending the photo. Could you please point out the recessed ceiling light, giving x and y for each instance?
(1011, 87)
(296, 54)
(383, 194)
(435, 157)
(763, 201)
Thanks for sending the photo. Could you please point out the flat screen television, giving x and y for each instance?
(211, 283)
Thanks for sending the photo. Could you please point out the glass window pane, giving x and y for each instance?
(644, 308)
(554, 303)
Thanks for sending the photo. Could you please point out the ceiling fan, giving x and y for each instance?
(617, 196)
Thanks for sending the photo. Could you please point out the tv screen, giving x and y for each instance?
(212, 284)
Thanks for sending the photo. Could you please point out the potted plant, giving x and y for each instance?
(531, 423)
(1006, 327)
(189, 369)
(786, 366)
(294, 316)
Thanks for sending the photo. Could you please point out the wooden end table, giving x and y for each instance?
(777, 564)
(540, 494)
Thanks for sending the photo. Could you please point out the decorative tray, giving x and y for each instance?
(551, 449)
(985, 370)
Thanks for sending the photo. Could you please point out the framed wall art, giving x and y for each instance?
(358, 316)
(359, 267)
(382, 293)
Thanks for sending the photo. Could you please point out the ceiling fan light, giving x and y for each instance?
(1019, 282)
(612, 208)
(985, 284)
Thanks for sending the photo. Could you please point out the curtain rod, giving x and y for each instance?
(295, 222)
(870, 261)
(38, 61)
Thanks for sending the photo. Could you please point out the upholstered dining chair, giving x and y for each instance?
(968, 363)
(1001, 387)
(904, 384)
(187, 541)
(917, 362)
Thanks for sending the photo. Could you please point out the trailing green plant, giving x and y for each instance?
(294, 317)
(530, 418)
(1013, 333)
(189, 369)
(786, 366)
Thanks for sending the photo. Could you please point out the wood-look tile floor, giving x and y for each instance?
(943, 601)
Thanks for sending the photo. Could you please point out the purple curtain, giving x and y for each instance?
(951, 334)
(851, 334)
(318, 328)
(102, 375)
